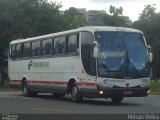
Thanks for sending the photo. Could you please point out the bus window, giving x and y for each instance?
(59, 45)
(18, 51)
(44, 47)
(26, 50)
(33, 48)
(47, 47)
(36, 48)
(13, 51)
(87, 53)
(72, 44)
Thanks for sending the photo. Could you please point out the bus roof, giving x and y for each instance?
(86, 28)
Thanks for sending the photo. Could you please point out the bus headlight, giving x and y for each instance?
(101, 92)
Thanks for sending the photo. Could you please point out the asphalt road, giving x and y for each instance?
(14, 102)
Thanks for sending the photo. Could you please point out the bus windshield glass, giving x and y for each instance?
(116, 47)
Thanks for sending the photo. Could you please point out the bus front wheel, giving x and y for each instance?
(117, 99)
(74, 94)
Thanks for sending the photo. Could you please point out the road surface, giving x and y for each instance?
(14, 102)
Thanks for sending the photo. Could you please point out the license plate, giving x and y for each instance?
(127, 92)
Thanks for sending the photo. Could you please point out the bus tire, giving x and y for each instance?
(74, 94)
(117, 99)
(26, 91)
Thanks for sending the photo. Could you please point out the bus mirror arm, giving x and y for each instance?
(150, 54)
(95, 50)
(96, 55)
(149, 48)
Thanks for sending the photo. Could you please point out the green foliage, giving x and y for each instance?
(149, 23)
(74, 20)
(116, 11)
(77, 22)
(155, 86)
(115, 21)
(116, 18)
(148, 13)
(29, 18)
(8, 87)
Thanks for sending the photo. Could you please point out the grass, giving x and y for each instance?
(7, 87)
(155, 87)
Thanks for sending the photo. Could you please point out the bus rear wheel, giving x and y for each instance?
(74, 94)
(117, 99)
(26, 91)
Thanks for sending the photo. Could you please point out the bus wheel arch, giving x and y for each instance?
(25, 89)
(24, 79)
(73, 89)
(24, 86)
(70, 85)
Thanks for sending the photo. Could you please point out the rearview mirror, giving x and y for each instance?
(150, 56)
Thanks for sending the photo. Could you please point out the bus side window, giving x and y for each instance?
(18, 51)
(36, 48)
(13, 51)
(72, 44)
(59, 45)
(44, 47)
(87, 53)
(26, 52)
(33, 48)
(47, 47)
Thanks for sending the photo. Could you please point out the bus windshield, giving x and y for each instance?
(116, 47)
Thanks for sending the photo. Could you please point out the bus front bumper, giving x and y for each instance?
(103, 92)
(125, 92)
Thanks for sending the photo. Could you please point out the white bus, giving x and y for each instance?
(91, 62)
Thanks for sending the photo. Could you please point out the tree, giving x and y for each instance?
(148, 13)
(73, 19)
(29, 18)
(26, 18)
(116, 11)
(116, 18)
(148, 22)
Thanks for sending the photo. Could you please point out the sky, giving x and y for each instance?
(131, 8)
